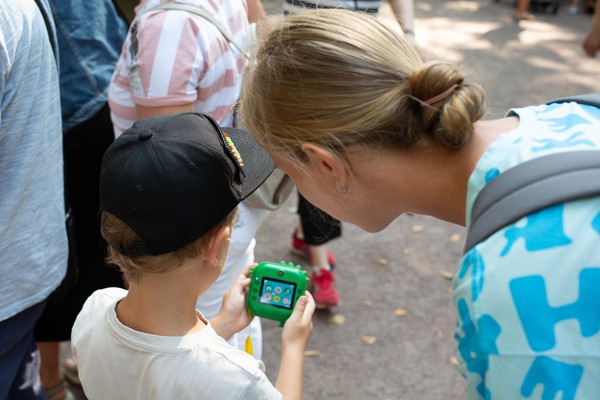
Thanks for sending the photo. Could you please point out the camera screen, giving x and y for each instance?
(277, 293)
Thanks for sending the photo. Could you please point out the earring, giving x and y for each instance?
(342, 189)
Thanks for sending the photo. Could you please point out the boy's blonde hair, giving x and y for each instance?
(336, 78)
(119, 234)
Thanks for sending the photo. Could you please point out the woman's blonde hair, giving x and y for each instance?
(119, 235)
(337, 77)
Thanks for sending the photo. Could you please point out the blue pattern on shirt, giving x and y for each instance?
(527, 298)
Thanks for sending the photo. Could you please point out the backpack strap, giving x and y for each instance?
(532, 186)
(592, 99)
(50, 29)
(204, 14)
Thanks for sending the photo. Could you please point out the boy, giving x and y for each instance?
(177, 61)
(169, 189)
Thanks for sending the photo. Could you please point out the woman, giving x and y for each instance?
(368, 131)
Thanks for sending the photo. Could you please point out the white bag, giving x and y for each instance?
(273, 192)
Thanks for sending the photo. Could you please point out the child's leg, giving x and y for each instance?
(313, 233)
(318, 229)
(522, 8)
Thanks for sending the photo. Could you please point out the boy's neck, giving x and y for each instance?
(164, 303)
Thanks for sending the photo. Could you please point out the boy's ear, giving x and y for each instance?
(217, 245)
(326, 162)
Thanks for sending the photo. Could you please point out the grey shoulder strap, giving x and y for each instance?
(204, 14)
(532, 186)
(592, 99)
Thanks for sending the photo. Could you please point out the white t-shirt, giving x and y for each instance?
(117, 362)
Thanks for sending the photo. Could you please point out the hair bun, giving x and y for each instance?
(449, 105)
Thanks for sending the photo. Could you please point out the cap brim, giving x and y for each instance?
(258, 165)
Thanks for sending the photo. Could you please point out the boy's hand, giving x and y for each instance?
(234, 315)
(294, 336)
(298, 327)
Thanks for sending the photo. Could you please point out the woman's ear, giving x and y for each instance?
(327, 163)
(218, 245)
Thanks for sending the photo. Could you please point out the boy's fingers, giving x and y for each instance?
(300, 306)
(242, 282)
(245, 281)
(310, 306)
(305, 307)
(245, 274)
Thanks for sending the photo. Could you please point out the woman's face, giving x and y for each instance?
(357, 206)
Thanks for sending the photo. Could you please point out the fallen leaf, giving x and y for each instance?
(400, 312)
(454, 361)
(438, 331)
(382, 261)
(562, 52)
(368, 303)
(312, 353)
(455, 238)
(406, 252)
(368, 339)
(337, 319)
(447, 274)
(417, 228)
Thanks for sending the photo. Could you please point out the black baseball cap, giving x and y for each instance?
(172, 178)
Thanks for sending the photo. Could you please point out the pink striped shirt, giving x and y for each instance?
(173, 57)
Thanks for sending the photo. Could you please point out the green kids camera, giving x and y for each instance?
(274, 290)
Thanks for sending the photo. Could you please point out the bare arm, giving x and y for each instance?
(294, 338)
(404, 11)
(591, 43)
(289, 380)
(256, 11)
(263, 23)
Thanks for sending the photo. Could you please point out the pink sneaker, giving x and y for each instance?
(323, 291)
(303, 250)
